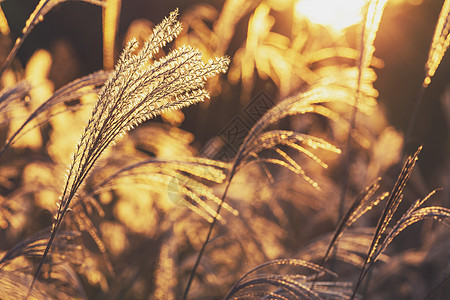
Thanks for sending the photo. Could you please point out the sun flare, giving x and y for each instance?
(336, 15)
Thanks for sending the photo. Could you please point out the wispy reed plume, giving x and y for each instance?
(440, 43)
(371, 22)
(386, 231)
(395, 197)
(35, 18)
(135, 92)
(15, 93)
(359, 207)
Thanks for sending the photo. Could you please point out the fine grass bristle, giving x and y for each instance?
(440, 43)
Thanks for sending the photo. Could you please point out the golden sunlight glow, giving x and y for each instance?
(337, 15)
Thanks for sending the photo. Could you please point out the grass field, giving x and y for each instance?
(262, 149)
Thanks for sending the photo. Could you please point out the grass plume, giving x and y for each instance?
(439, 44)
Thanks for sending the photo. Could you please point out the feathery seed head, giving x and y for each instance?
(138, 90)
(135, 92)
(440, 43)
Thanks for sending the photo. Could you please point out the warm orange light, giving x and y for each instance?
(337, 15)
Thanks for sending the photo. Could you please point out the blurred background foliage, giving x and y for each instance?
(72, 33)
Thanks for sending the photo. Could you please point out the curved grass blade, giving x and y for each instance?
(270, 139)
(413, 215)
(291, 139)
(371, 22)
(259, 295)
(288, 285)
(84, 223)
(35, 245)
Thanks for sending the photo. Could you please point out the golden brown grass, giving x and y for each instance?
(314, 200)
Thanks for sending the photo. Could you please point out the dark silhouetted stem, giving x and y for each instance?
(47, 250)
(208, 237)
(412, 120)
